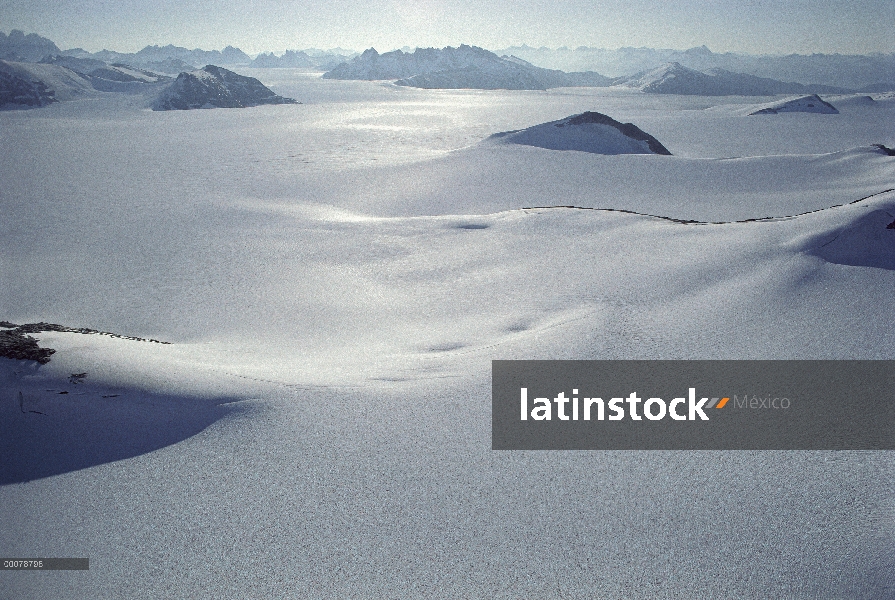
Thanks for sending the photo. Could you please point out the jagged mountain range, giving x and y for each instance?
(19, 47)
(867, 73)
(461, 67)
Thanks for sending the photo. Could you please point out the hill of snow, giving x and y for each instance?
(455, 68)
(674, 78)
(587, 132)
(214, 87)
(808, 104)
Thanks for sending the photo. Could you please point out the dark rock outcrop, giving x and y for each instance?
(15, 342)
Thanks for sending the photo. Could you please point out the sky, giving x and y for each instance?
(750, 26)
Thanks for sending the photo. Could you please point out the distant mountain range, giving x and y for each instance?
(472, 67)
(25, 48)
(870, 73)
(674, 78)
(461, 67)
(37, 72)
(873, 73)
(18, 47)
(61, 78)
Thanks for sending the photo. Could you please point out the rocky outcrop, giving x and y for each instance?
(214, 87)
(15, 342)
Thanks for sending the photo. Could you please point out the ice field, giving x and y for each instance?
(334, 279)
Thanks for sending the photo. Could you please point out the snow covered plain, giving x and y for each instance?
(337, 276)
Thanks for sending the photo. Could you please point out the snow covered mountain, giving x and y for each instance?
(873, 73)
(214, 87)
(674, 78)
(117, 77)
(25, 48)
(587, 132)
(35, 85)
(809, 104)
(19, 90)
(455, 68)
(151, 57)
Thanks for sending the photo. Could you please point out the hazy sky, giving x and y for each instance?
(756, 26)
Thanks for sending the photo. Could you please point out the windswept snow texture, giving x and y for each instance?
(804, 104)
(674, 78)
(214, 87)
(588, 132)
(335, 282)
(458, 68)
